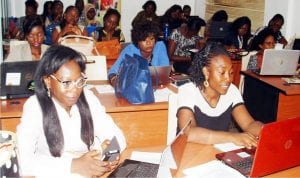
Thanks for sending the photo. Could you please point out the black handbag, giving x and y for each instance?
(133, 81)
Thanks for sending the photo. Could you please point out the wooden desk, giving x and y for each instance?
(196, 154)
(269, 99)
(10, 113)
(236, 65)
(143, 125)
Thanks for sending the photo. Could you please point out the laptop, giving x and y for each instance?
(170, 159)
(218, 31)
(160, 75)
(17, 79)
(278, 149)
(279, 62)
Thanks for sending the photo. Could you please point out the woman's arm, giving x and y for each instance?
(245, 120)
(206, 136)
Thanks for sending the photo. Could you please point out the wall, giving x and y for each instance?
(290, 11)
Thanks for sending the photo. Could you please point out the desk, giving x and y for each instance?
(143, 125)
(195, 154)
(268, 99)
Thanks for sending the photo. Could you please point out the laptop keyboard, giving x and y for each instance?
(145, 170)
(244, 165)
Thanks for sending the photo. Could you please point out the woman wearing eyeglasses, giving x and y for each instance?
(64, 124)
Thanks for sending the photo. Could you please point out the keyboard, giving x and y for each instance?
(243, 165)
(145, 170)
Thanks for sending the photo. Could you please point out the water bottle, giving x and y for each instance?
(166, 31)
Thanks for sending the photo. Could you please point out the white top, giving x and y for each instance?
(34, 155)
(20, 51)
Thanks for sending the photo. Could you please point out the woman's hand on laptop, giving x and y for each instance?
(245, 139)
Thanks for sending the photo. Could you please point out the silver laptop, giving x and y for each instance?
(160, 75)
(17, 79)
(279, 62)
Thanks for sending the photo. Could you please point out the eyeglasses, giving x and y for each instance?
(79, 83)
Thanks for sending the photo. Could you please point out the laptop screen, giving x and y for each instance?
(160, 75)
(17, 79)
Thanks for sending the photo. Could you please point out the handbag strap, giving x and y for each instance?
(76, 36)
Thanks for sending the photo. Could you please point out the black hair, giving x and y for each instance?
(239, 22)
(52, 60)
(149, 3)
(260, 38)
(143, 30)
(202, 59)
(30, 22)
(110, 12)
(45, 10)
(275, 18)
(195, 24)
(220, 15)
(32, 3)
(186, 7)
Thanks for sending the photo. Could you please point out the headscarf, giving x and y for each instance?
(88, 7)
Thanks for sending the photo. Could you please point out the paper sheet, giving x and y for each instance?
(227, 146)
(212, 169)
(149, 157)
(161, 95)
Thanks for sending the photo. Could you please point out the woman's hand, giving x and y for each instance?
(245, 139)
(90, 165)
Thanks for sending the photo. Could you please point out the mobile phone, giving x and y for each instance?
(112, 151)
(111, 155)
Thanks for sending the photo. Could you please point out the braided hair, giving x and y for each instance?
(203, 59)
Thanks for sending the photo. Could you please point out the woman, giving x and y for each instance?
(148, 13)
(144, 43)
(181, 41)
(68, 123)
(212, 99)
(238, 35)
(110, 31)
(33, 48)
(173, 17)
(69, 25)
(263, 40)
(55, 20)
(47, 13)
(90, 21)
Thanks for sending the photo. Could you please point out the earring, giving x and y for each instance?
(206, 84)
(48, 92)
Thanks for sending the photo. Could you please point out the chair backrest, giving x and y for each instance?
(245, 61)
(172, 119)
(96, 68)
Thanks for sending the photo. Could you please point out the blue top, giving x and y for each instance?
(159, 56)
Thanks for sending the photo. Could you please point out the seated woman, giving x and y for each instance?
(181, 41)
(34, 48)
(144, 43)
(61, 137)
(148, 13)
(238, 35)
(69, 25)
(90, 21)
(211, 100)
(265, 39)
(110, 31)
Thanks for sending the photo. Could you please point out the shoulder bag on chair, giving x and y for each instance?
(133, 81)
(111, 49)
(82, 44)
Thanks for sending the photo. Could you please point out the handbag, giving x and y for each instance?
(111, 49)
(134, 81)
(82, 44)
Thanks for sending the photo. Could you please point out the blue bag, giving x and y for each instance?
(134, 81)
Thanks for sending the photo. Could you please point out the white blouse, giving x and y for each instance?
(34, 156)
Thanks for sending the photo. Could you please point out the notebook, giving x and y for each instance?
(278, 149)
(279, 62)
(17, 79)
(170, 159)
(160, 75)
